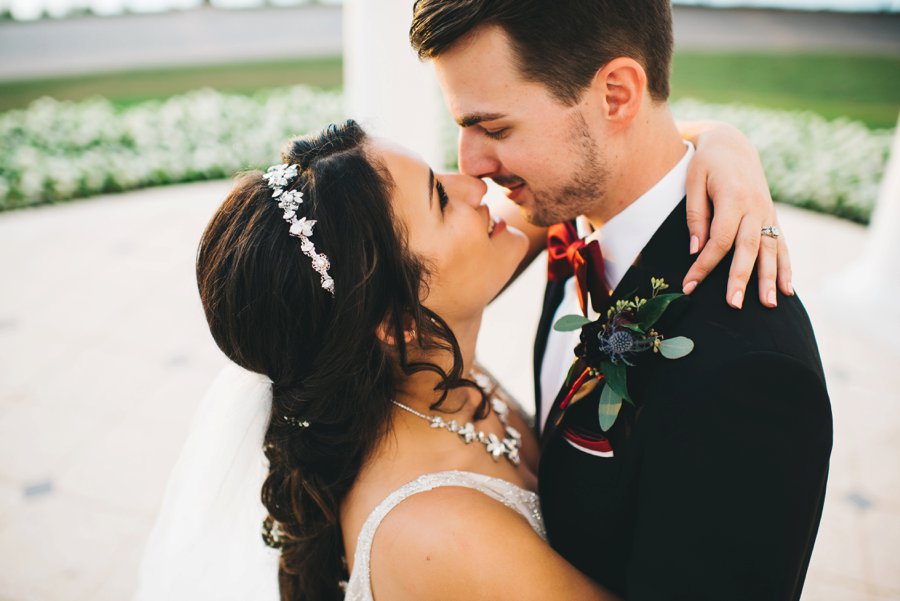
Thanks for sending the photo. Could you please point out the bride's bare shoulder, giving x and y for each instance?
(371, 487)
(449, 541)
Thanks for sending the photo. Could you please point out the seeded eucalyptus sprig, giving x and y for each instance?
(609, 344)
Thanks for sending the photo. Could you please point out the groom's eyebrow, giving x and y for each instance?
(476, 118)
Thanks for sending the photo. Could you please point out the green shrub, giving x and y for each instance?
(54, 151)
(830, 166)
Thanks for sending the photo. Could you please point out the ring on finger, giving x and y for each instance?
(771, 231)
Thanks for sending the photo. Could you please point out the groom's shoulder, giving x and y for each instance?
(756, 361)
(721, 332)
(726, 333)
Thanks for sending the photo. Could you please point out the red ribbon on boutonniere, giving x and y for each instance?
(609, 343)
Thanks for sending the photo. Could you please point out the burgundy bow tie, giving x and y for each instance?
(569, 255)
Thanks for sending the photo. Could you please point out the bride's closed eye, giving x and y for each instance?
(442, 194)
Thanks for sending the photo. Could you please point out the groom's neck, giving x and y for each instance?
(647, 151)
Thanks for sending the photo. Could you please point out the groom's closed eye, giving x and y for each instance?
(479, 119)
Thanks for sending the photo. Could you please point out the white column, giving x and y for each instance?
(874, 279)
(386, 88)
(882, 254)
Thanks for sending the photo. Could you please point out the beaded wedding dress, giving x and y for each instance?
(206, 542)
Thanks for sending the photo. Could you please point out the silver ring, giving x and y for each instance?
(771, 231)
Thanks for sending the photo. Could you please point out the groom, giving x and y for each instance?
(710, 486)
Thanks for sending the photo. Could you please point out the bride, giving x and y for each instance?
(349, 284)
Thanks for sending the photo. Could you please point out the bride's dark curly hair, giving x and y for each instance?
(268, 313)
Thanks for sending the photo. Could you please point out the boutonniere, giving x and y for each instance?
(609, 344)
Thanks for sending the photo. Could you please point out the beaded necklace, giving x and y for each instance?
(507, 447)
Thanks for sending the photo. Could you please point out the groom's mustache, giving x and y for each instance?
(508, 182)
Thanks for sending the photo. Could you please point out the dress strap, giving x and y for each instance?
(520, 500)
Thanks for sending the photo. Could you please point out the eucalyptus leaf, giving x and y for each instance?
(676, 348)
(615, 378)
(608, 409)
(654, 308)
(570, 323)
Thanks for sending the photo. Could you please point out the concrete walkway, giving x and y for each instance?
(212, 36)
(104, 354)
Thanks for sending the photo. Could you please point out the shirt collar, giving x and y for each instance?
(624, 236)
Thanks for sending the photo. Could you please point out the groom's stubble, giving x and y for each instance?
(585, 188)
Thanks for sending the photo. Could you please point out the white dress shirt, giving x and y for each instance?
(621, 240)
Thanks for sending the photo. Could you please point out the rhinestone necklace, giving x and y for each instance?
(508, 446)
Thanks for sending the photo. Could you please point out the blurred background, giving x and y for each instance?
(122, 120)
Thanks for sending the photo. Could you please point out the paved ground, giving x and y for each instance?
(209, 36)
(104, 354)
(196, 37)
(777, 30)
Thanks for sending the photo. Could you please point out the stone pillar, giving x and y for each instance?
(882, 253)
(386, 88)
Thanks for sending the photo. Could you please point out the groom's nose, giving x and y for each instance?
(476, 157)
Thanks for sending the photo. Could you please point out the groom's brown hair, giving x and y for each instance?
(560, 43)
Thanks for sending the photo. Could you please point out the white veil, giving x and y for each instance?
(206, 542)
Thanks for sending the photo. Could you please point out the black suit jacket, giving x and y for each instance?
(716, 486)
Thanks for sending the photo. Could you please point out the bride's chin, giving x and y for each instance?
(518, 245)
(512, 259)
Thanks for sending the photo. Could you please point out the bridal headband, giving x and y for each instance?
(279, 177)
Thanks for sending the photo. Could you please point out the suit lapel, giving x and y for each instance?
(665, 256)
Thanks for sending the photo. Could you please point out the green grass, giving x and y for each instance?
(136, 86)
(865, 88)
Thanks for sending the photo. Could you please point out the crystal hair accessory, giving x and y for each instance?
(297, 422)
(278, 177)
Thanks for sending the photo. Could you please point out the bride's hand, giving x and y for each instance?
(726, 170)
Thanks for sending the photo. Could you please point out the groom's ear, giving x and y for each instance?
(620, 87)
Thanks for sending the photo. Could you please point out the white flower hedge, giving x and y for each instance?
(55, 151)
(830, 166)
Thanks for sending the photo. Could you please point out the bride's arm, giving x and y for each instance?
(727, 166)
(459, 544)
(726, 171)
